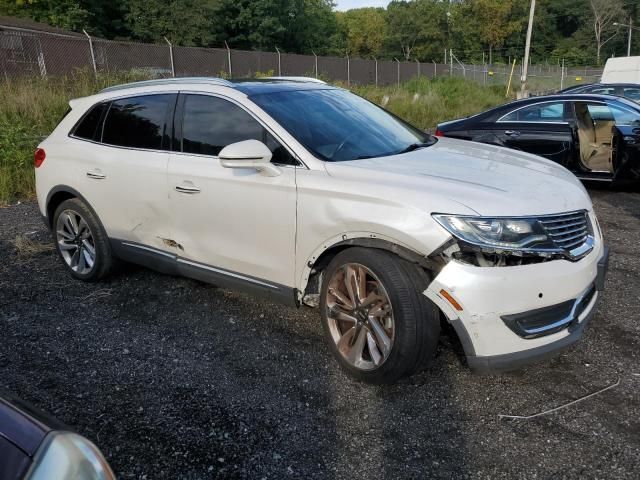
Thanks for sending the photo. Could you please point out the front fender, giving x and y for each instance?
(362, 239)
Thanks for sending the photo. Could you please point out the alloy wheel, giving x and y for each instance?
(360, 316)
(75, 242)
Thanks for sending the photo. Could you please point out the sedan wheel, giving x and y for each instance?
(360, 316)
(75, 242)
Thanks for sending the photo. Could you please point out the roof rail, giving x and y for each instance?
(170, 81)
(298, 79)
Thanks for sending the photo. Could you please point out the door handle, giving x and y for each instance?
(96, 174)
(187, 189)
(512, 133)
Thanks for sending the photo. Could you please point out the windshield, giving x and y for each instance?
(336, 125)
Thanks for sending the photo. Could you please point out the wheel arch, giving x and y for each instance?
(59, 194)
(311, 277)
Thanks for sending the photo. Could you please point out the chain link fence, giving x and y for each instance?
(31, 53)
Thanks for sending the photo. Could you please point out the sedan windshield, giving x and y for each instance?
(336, 125)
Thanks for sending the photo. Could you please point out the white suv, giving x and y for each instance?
(311, 195)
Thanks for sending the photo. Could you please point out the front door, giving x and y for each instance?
(541, 129)
(237, 224)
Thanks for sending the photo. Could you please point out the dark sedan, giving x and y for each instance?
(34, 446)
(595, 136)
(626, 90)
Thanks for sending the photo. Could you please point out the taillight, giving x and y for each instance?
(38, 157)
(439, 133)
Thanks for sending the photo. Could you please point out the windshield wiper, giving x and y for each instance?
(414, 146)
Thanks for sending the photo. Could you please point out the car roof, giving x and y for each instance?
(500, 110)
(555, 97)
(248, 86)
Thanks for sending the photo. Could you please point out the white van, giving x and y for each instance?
(622, 70)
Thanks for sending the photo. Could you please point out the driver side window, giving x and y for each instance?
(210, 123)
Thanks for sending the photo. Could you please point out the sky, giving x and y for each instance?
(347, 4)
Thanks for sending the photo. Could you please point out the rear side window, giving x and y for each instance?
(137, 122)
(632, 92)
(539, 113)
(209, 124)
(87, 128)
(603, 90)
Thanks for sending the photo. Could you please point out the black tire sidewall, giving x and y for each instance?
(411, 338)
(104, 258)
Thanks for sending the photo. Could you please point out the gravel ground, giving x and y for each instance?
(172, 378)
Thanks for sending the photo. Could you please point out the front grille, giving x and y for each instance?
(567, 231)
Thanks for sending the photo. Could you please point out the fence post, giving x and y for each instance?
(418, 62)
(93, 56)
(376, 62)
(316, 62)
(398, 67)
(435, 69)
(562, 75)
(348, 70)
(173, 68)
(228, 57)
(451, 61)
(279, 65)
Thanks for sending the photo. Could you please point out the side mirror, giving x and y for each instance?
(249, 154)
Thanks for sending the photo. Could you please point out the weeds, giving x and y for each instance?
(27, 248)
(30, 108)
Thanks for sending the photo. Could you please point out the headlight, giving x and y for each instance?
(69, 456)
(497, 234)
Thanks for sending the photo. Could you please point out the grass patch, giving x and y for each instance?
(31, 108)
(27, 248)
(426, 102)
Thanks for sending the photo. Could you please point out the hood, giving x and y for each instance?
(487, 179)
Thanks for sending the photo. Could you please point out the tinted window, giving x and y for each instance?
(604, 90)
(211, 123)
(337, 125)
(632, 92)
(137, 121)
(540, 112)
(600, 112)
(88, 126)
(624, 116)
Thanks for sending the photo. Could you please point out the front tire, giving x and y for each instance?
(81, 242)
(376, 321)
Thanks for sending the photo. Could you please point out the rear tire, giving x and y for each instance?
(81, 241)
(378, 324)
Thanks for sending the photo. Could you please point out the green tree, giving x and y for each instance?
(291, 25)
(184, 22)
(364, 31)
(495, 21)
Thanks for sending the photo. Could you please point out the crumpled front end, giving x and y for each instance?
(511, 315)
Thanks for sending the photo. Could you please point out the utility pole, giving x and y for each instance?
(629, 40)
(631, 28)
(527, 48)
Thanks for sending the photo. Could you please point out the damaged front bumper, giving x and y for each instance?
(507, 317)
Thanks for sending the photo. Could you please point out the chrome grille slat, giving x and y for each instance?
(573, 224)
(569, 239)
(569, 218)
(575, 244)
(568, 231)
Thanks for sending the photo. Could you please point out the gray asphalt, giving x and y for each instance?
(172, 378)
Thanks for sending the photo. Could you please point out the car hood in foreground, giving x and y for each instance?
(487, 179)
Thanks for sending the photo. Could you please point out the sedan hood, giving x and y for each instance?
(487, 179)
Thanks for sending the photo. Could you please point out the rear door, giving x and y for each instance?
(541, 128)
(124, 167)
